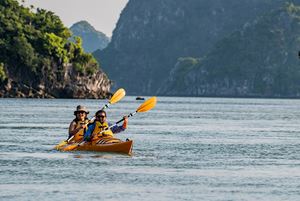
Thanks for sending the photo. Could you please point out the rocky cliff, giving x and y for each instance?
(62, 83)
(150, 36)
(259, 60)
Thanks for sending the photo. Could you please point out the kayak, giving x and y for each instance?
(103, 145)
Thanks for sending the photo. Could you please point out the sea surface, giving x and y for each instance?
(184, 149)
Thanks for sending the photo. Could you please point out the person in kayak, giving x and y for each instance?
(79, 124)
(100, 128)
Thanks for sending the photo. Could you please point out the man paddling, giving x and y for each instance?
(100, 128)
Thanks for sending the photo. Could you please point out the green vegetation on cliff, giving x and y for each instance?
(34, 40)
(38, 58)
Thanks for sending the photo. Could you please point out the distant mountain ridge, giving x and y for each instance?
(92, 39)
(150, 36)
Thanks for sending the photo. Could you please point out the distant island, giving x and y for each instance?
(92, 39)
(237, 48)
(38, 59)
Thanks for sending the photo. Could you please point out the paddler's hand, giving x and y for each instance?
(125, 122)
(83, 126)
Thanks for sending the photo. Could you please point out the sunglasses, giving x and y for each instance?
(100, 116)
(81, 112)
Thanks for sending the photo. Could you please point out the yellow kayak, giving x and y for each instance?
(103, 145)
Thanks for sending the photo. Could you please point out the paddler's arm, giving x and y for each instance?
(88, 134)
(72, 129)
(118, 129)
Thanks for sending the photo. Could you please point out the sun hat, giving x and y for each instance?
(81, 108)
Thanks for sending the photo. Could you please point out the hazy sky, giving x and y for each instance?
(101, 14)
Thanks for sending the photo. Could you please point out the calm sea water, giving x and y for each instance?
(184, 149)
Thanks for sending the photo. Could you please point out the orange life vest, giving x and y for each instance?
(98, 131)
(79, 135)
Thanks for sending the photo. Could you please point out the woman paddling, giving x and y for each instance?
(79, 124)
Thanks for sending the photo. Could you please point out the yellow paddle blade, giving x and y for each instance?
(147, 105)
(71, 147)
(118, 95)
(62, 143)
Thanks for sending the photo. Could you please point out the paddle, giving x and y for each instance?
(146, 106)
(118, 95)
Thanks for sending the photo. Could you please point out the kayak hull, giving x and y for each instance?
(124, 147)
(121, 147)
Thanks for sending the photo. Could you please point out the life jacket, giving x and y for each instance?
(97, 132)
(79, 135)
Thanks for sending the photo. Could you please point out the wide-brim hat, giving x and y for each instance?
(81, 108)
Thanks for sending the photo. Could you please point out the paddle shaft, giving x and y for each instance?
(105, 106)
(130, 115)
